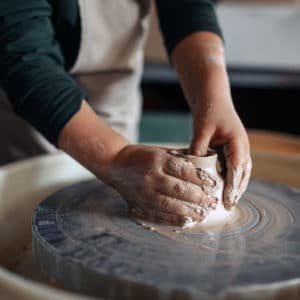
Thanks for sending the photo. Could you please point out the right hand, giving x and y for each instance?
(160, 186)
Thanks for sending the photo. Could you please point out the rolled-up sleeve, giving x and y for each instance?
(32, 69)
(180, 18)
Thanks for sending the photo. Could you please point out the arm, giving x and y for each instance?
(157, 184)
(200, 63)
(32, 67)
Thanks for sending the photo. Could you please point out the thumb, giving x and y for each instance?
(236, 153)
(200, 142)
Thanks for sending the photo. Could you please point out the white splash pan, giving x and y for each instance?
(23, 185)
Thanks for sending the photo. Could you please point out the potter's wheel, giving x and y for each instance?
(83, 237)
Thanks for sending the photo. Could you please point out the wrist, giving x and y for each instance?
(213, 90)
(110, 173)
(89, 140)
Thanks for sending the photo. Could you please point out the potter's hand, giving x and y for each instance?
(160, 186)
(220, 125)
(200, 63)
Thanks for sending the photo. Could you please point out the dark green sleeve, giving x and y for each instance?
(32, 67)
(179, 18)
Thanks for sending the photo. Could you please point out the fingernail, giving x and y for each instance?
(231, 204)
(213, 200)
(227, 205)
(193, 152)
(199, 151)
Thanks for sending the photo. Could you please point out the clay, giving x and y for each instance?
(208, 167)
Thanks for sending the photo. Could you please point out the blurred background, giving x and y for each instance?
(263, 55)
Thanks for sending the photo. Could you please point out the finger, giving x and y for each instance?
(200, 142)
(237, 154)
(231, 191)
(246, 176)
(164, 203)
(156, 216)
(185, 170)
(185, 191)
(242, 182)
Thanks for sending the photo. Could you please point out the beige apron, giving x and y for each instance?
(108, 67)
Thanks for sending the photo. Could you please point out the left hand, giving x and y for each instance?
(200, 64)
(218, 124)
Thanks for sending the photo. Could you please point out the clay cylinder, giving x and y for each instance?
(209, 164)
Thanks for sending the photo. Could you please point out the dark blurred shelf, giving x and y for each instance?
(240, 77)
(265, 99)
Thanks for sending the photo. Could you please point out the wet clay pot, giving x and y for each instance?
(210, 166)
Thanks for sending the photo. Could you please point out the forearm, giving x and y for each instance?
(90, 141)
(200, 63)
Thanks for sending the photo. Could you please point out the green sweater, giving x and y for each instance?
(39, 43)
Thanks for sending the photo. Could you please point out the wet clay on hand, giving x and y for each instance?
(161, 186)
(210, 168)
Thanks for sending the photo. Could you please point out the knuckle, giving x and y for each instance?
(170, 162)
(184, 189)
(171, 165)
(184, 170)
(190, 189)
(156, 157)
(165, 204)
(178, 190)
(148, 174)
(153, 177)
(162, 180)
(178, 166)
(201, 198)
